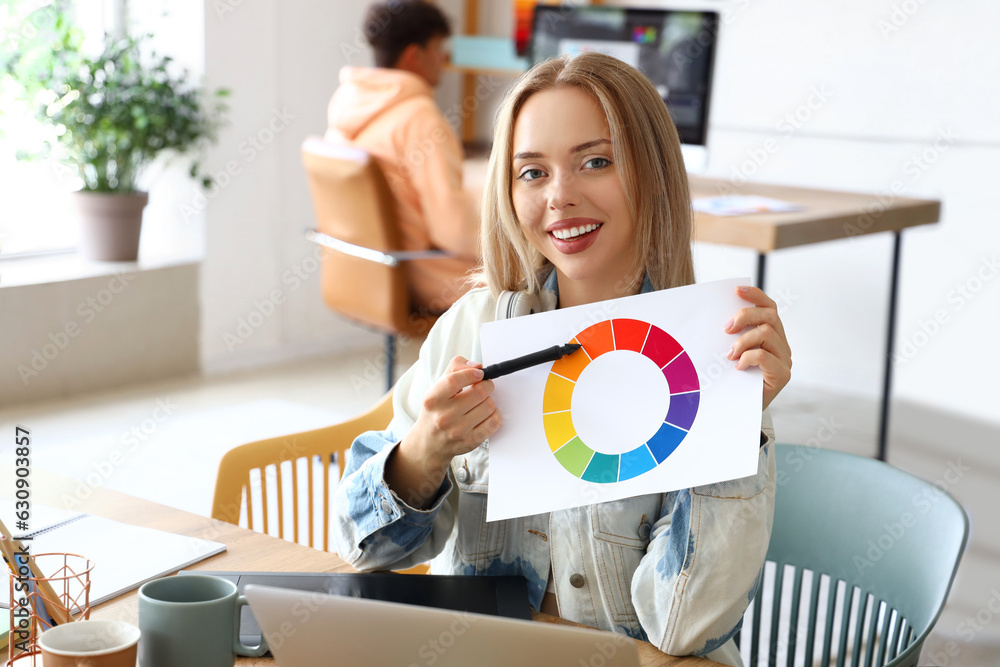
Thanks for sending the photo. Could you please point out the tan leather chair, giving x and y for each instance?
(363, 276)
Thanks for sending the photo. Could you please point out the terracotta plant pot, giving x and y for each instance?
(110, 224)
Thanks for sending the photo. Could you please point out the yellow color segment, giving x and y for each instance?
(558, 429)
(558, 394)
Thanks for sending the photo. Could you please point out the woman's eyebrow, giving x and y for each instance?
(527, 155)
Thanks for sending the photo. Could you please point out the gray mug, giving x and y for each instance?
(191, 620)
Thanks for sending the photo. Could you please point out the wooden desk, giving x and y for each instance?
(826, 215)
(246, 550)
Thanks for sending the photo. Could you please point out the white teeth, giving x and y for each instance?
(573, 232)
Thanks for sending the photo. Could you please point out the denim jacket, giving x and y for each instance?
(676, 569)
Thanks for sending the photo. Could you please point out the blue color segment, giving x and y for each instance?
(603, 469)
(636, 462)
(665, 441)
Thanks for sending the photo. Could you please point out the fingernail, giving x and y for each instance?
(729, 324)
(743, 288)
(730, 353)
(479, 374)
(474, 364)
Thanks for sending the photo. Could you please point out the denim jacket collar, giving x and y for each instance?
(550, 287)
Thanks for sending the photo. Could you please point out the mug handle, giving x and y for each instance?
(238, 647)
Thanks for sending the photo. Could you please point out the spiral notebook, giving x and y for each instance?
(124, 556)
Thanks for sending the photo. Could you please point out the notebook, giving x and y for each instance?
(124, 556)
(306, 628)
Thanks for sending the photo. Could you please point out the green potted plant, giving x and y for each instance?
(111, 115)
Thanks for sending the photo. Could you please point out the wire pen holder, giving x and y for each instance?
(36, 601)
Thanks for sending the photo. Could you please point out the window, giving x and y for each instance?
(35, 211)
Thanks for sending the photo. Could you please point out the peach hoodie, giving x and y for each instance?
(392, 114)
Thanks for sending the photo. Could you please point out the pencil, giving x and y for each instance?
(54, 610)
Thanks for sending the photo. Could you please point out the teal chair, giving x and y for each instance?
(888, 544)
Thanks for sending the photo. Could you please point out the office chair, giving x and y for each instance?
(880, 546)
(363, 277)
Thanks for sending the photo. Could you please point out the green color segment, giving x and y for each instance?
(574, 456)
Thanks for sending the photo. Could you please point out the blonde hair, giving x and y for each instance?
(647, 155)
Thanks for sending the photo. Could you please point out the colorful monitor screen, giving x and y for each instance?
(675, 49)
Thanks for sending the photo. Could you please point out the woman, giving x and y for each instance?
(586, 200)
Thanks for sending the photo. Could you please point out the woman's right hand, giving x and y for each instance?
(457, 415)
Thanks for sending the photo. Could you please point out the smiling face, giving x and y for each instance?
(568, 197)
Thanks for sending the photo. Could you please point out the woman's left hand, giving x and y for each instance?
(764, 345)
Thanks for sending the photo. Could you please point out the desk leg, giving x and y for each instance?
(883, 427)
(761, 265)
(390, 355)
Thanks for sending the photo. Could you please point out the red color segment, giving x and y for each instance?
(661, 347)
(630, 334)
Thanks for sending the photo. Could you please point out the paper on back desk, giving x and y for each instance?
(124, 556)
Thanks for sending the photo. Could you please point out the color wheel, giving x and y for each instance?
(608, 336)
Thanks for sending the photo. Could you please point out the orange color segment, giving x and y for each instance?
(630, 334)
(597, 339)
(571, 365)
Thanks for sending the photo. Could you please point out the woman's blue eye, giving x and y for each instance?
(602, 162)
(531, 174)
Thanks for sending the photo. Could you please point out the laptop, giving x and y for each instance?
(306, 628)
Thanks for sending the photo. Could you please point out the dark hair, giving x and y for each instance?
(392, 26)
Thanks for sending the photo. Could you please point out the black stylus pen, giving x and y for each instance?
(529, 360)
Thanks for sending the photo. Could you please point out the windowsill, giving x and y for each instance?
(66, 267)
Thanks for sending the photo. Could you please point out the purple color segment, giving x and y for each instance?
(683, 408)
(681, 375)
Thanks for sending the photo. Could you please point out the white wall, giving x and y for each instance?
(896, 81)
(889, 97)
(260, 285)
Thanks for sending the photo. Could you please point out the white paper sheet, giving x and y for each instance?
(638, 418)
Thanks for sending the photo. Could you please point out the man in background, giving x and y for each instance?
(389, 111)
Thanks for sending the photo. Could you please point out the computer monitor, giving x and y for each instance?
(675, 49)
